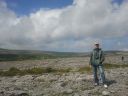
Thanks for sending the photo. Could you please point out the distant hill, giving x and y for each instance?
(116, 52)
(8, 51)
(12, 55)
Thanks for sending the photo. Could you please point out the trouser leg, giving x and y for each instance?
(102, 75)
(95, 74)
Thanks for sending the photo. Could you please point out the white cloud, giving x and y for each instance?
(73, 28)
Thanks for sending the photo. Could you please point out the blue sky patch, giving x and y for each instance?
(24, 7)
(119, 2)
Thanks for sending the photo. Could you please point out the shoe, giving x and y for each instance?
(96, 84)
(105, 85)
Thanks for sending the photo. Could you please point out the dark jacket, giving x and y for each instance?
(97, 57)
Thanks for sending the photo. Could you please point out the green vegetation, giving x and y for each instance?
(107, 66)
(39, 56)
(16, 55)
(15, 71)
(85, 69)
(19, 57)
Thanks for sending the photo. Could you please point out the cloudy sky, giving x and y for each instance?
(64, 25)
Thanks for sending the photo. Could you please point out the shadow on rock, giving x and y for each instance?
(110, 82)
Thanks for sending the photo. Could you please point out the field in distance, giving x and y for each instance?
(18, 55)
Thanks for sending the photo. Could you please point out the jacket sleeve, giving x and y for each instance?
(102, 57)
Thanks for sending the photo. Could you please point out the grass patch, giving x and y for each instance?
(106, 66)
(63, 70)
(11, 72)
(85, 69)
(33, 71)
(109, 66)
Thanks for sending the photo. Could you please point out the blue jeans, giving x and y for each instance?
(100, 69)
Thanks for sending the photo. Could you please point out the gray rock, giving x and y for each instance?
(68, 91)
(18, 93)
(105, 93)
(112, 91)
(63, 84)
(76, 94)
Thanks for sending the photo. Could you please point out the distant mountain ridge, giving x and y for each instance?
(11, 51)
(15, 55)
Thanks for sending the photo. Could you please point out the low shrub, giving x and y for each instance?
(108, 66)
(15, 71)
(11, 72)
(85, 69)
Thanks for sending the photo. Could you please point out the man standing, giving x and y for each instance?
(96, 61)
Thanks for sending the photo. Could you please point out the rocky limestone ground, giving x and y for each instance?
(74, 62)
(63, 84)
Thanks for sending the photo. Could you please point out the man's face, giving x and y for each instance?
(96, 45)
